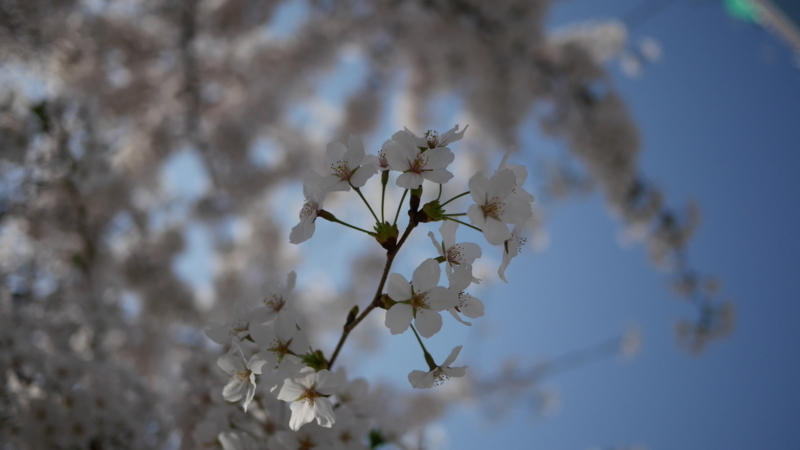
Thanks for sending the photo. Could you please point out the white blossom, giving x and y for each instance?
(431, 139)
(495, 206)
(404, 156)
(344, 165)
(439, 374)
(421, 300)
(243, 375)
(235, 330)
(455, 255)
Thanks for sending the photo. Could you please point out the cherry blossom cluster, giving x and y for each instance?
(269, 351)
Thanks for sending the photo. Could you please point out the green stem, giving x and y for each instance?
(397, 215)
(440, 193)
(457, 196)
(424, 350)
(455, 215)
(350, 226)
(358, 191)
(383, 197)
(462, 223)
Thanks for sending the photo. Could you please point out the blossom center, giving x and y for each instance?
(454, 255)
(274, 301)
(433, 138)
(242, 375)
(341, 169)
(238, 326)
(419, 163)
(309, 209)
(493, 208)
(439, 376)
(309, 396)
(420, 301)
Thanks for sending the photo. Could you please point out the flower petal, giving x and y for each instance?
(428, 322)
(398, 318)
(398, 289)
(420, 379)
(426, 276)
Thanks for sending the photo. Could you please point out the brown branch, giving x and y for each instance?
(376, 300)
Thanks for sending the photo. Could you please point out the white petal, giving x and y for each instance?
(410, 180)
(364, 173)
(471, 307)
(441, 298)
(439, 158)
(302, 231)
(397, 157)
(426, 276)
(333, 155)
(476, 216)
(327, 382)
(232, 391)
(420, 379)
(455, 315)
(355, 153)
(399, 288)
(323, 411)
(501, 184)
(495, 231)
(478, 185)
(302, 414)
(250, 393)
(428, 322)
(398, 318)
(231, 362)
(291, 390)
(440, 176)
(460, 279)
(448, 232)
(452, 357)
(455, 372)
(437, 244)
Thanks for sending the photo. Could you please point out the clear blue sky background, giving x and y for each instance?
(719, 117)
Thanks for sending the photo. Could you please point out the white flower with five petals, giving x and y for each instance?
(421, 300)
